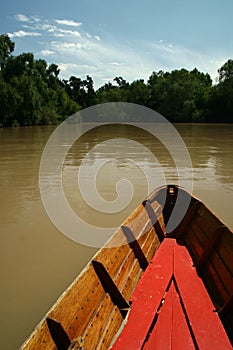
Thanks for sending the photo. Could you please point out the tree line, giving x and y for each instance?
(31, 92)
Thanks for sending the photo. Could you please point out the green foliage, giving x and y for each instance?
(221, 97)
(6, 48)
(181, 95)
(81, 91)
(31, 92)
(226, 72)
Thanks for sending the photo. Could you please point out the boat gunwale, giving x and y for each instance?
(152, 199)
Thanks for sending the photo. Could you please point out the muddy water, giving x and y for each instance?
(38, 261)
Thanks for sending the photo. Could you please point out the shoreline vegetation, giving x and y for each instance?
(31, 92)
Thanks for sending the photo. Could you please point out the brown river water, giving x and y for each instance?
(38, 261)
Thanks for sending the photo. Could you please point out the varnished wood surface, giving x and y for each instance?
(86, 311)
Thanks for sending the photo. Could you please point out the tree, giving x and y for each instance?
(121, 82)
(181, 95)
(221, 101)
(6, 49)
(138, 92)
(31, 92)
(157, 89)
(226, 72)
(81, 91)
(53, 70)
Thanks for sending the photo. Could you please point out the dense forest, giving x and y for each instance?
(31, 92)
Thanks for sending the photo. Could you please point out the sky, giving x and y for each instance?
(130, 38)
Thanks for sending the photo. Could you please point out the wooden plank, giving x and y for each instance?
(131, 281)
(97, 324)
(112, 258)
(147, 298)
(218, 272)
(171, 330)
(187, 221)
(124, 270)
(225, 249)
(152, 248)
(151, 238)
(145, 231)
(114, 322)
(210, 246)
(127, 290)
(137, 221)
(206, 325)
(207, 221)
(214, 285)
(190, 240)
(125, 273)
(160, 337)
(157, 207)
(105, 330)
(162, 224)
(200, 235)
(78, 304)
(41, 339)
(181, 336)
(223, 273)
(201, 326)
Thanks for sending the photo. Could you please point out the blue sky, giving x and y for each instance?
(105, 38)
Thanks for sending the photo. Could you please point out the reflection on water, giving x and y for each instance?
(109, 155)
(211, 149)
(37, 261)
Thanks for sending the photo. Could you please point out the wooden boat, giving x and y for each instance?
(148, 288)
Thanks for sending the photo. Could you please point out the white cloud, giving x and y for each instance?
(108, 58)
(115, 63)
(30, 19)
(22, 18)
(46, 27)
(68, 22)
(63, 32)
(62, 46)
(46, 52)
(36, 19)
(101, 60)
(70, 68)
(22, 33)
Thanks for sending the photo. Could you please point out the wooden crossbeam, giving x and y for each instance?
(58, 334)
(111, 288)
(154, 220)
(134, 245)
